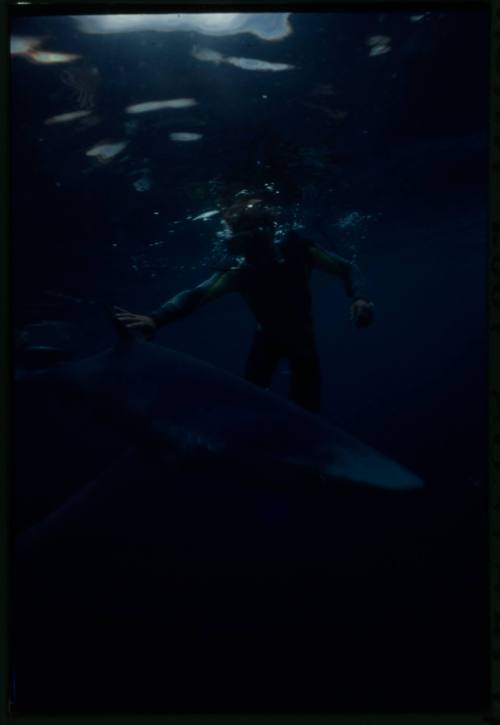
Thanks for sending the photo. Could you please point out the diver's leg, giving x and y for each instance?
(262, 360)
(305, 383)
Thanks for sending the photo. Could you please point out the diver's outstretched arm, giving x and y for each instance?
(182, 305)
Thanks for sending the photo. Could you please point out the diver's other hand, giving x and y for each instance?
(138, 325)
(362, 313)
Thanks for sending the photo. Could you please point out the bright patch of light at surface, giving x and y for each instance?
(217, 20)
(267, 26)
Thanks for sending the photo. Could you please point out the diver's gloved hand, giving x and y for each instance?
(362, 313)
(138, 325)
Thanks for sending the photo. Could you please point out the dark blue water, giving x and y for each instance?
(381, 158)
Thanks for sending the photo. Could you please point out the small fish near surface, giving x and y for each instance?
(185, 136)
(379, 44)
(162, 398)
(251, 64)
(172, 103)
(104, 151)
(205, 215)
(67, 117)
(254, 64)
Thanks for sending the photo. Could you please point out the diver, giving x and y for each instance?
(273, 279)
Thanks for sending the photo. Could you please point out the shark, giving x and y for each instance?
(145, 401)
(159, 486)
(163, 399)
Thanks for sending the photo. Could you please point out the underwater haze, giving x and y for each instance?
(366, 131)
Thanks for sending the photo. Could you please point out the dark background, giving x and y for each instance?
(391, 592)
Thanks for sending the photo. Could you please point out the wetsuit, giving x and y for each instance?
(278, 294)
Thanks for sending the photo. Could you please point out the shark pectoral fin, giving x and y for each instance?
(372, 469)
(76, 505)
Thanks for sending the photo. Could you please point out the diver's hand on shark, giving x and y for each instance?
(362, 313)
(138, 325)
